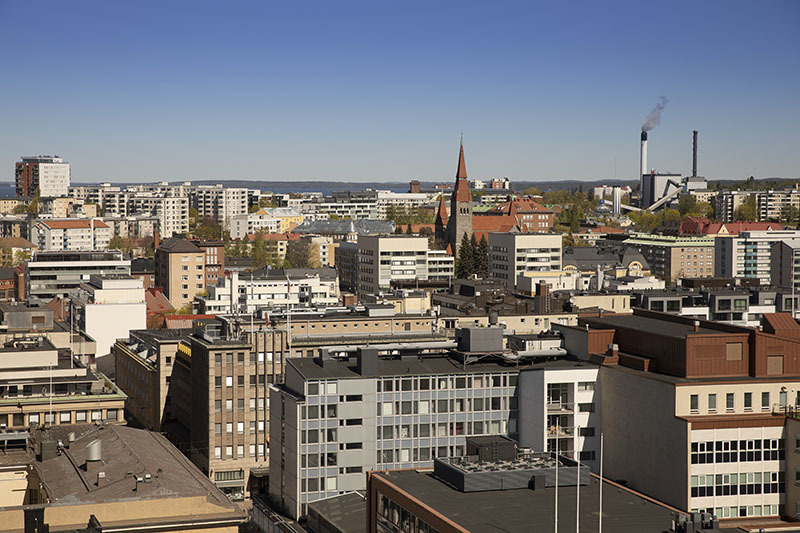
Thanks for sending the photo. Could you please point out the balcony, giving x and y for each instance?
(560, 407)
(554, 432)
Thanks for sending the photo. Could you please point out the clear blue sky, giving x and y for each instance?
(379, 91)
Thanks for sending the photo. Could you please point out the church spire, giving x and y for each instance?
(461, 173)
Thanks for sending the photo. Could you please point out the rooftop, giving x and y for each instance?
(519, 509)
(651, 324)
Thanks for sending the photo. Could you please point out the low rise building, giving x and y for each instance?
(513, 255)
(673, 257)
(94, 477)
(52, 274)
(74, 234)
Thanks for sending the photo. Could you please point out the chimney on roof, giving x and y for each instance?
(696, 325)
(156, 240)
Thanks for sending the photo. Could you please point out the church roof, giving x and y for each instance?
(461, 191)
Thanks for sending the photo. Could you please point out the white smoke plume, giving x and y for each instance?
(654, 118)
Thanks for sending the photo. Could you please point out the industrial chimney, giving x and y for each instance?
(694, 153)
(642, 168)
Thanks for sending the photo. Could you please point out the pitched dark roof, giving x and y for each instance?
(143, 265)
(179, 245)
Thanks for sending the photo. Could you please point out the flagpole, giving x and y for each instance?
(555, 513)
(578, 490)
(600, 516)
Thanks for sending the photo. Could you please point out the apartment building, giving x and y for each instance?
(43, 385)
(73, 234)
(65, 206)
(219, 203)
(673, 257)
(338, 421)
(43, 175)
(559, 396)
(749, 255)
(51, 274)
(726, 203)
(230, 372)
(214, 260)
(269, 289)
(242, 225)
(346, 258)
(169, 205)
(144, 363)
(776, 205)
(702, 397)
(287, 217)
(395, 258)
(108, 307)
(180, 270)
(135, 226)
(786, 264)
(514, 255)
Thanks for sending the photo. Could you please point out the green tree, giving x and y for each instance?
(408, 230)
(748, 211)
(465, 265)
(259, 251)
(298, 253)
(686, 204)
(482, 258)
(789, 214)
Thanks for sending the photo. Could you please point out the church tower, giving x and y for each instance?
(460, 220)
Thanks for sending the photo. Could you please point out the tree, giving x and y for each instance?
(482, 258)
(748, 211)
(465, 266)
(686, 204)
(298, 254)
(123, 244)
(408, 230)
(789, 214)
(259, 251)
(33, 207)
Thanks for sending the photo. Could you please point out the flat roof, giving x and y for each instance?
(347, 513)
(647, 324)
(519, 509)
(309, 368)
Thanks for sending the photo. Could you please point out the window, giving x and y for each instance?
(748, 401)
(240, 428)
(229, 381)
(586, 407)
(229, 427)
(65, 417)
(712, 402)
(765, 401)
(729, 401)
(586, 432)
(733, 351)
(694, 403)
(585, 386)
(586, 456)
(217, 452)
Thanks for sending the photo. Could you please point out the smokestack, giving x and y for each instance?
(156, 239)
(642, 168)
(694, 154)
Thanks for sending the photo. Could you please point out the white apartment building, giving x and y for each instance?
(241, 225)
(171, 208)
(109, 307)
(73, 234)
(772, 204)
(560, 397)
(326, 432)
(441, 265)
(219, 203)
(383, 259)
(407, 200)
(513, 255)
(51, 274)
(49, 175)
(749, 255)
(277, 288)
(351, 210)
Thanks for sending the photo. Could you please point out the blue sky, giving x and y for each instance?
(380, 91)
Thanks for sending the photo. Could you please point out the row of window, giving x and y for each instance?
(446, 429)
(733, 451)
(397, 518)
(60, 417)
(730, 402)
(457, 405)
(252, 449)
(259, 425)
(253, 403)
(737, 484)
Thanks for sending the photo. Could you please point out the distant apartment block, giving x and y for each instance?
(180, 270)
(671, 257)
(73, 234)
(43, 175)
(51, 274)
(242, 225)
(749, 255)
(515, 255)
(386, 259)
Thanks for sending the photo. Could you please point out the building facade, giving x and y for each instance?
(43, 175)
(514, 255)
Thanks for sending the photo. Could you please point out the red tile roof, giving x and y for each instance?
(78, 223)
(705, 226)
(521, 204)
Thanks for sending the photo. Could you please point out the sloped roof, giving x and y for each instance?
(522, 204)
(143, 265)
(441, 212)
(77, 223)
(781, 324)
(156, 302)
(16, 242)
(179, 245)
